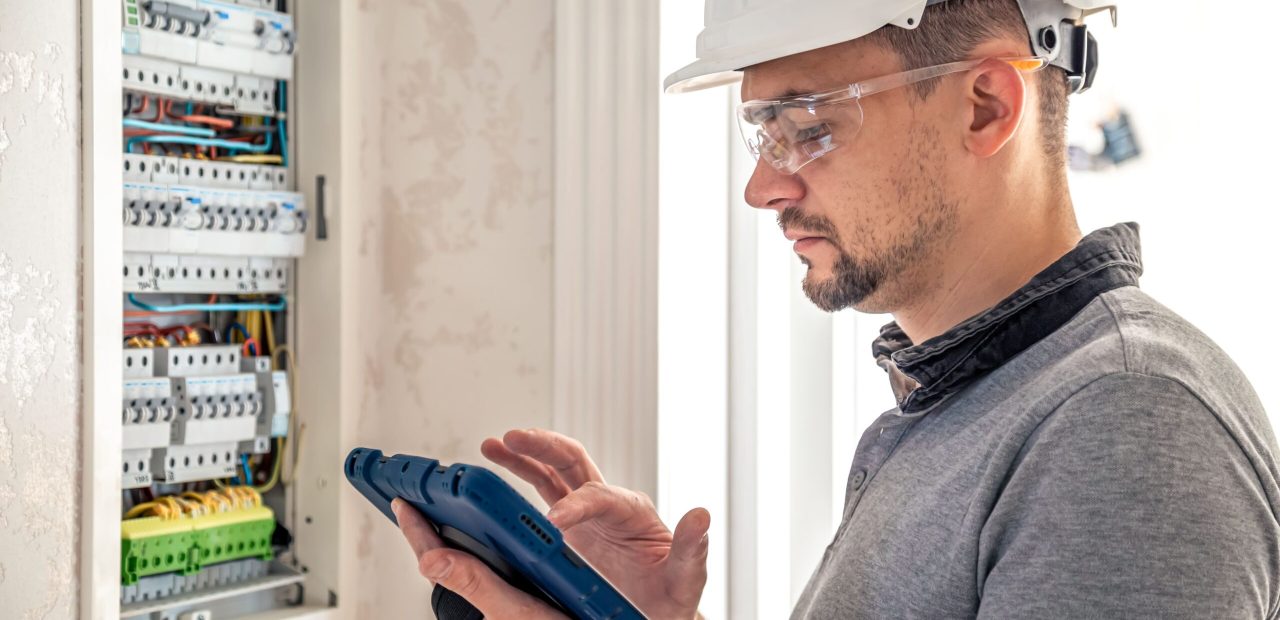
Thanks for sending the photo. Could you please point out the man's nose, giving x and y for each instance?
(769, 188)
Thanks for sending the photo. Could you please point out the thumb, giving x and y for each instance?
(686, 568)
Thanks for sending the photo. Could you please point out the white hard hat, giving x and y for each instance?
(741, 33)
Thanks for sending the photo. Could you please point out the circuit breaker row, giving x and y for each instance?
(173, 273)
(205, 173)
(249, 95)
(189, 412)
(178, 219)
(240, 38)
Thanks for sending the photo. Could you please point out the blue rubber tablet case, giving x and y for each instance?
(477, 511)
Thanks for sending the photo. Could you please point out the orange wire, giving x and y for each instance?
(159, 112)
(202, 119)
(256, 349)
(135, 329)
(208, 120)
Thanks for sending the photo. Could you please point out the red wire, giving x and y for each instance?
(159, 112)
(247, 342)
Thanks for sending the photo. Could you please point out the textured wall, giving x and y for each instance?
(456, 159)
(39, 286)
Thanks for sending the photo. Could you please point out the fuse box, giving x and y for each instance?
(213, 225)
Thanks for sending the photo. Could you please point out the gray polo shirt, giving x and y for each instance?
(1078, 451)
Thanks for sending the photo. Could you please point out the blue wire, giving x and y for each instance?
(284, 140)
(244, 333)
(222, 144)
(248, 477)
(269, 307)
(192, 131)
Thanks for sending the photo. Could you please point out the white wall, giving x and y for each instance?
(1194, 78)
(39, 285)
(454, 246)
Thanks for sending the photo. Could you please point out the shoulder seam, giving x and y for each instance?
(1115, 318)
(1194, 395)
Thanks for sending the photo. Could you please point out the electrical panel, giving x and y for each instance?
(213, 228)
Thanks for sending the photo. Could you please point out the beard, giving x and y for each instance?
(850, 284)
(853, 281)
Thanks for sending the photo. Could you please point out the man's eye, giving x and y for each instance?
(759, 116)
(805, 134)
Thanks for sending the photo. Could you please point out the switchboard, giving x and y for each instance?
(213, 226)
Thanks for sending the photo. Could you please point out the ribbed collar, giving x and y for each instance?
(925, 375)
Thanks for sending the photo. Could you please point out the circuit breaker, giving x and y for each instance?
(213, 228)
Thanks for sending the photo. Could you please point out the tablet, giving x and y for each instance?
(476, 511)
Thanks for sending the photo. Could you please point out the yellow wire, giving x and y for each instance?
(254, 159)
(138, 510)
(175, 510)
(275, 468)
(296, 427)
(204, 500)
(271, 333)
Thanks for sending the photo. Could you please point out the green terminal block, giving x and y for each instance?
(153, 546)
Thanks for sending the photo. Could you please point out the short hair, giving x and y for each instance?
(951, 30)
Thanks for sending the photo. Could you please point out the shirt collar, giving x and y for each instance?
(923, 376)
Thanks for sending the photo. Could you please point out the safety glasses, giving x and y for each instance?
(793, 131)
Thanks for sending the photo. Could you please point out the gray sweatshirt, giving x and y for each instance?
(1077, 451)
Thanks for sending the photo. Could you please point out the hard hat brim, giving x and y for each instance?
(700, 75)
(722, 57)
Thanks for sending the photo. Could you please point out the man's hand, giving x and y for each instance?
(617, 530)
(465, 575)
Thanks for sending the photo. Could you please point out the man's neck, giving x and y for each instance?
(987, 266)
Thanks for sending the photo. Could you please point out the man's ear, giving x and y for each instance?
(995, 97)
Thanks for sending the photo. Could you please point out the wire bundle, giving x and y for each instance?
(199, 134)
(196, 504)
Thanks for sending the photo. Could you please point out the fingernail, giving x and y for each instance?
(395, 505)
(553, 515)
(439, 569)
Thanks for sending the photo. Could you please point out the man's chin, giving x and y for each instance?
(830, 294)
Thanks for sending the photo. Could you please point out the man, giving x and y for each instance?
(1063, 445)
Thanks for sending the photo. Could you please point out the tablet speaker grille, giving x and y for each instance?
(536, 529)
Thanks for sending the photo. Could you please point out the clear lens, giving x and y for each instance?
(789, 135)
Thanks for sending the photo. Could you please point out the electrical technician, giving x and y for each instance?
(1063, 445)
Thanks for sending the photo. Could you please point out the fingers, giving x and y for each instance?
(463, 573)
(565, 455)
(543, 478)
(687, 564)
(596, 500)
(417, 530)
(472, 580)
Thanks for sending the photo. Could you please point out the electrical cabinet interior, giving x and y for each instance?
(213, 227)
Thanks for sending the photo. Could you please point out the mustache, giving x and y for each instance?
(795, 218)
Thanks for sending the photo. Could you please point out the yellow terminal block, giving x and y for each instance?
(188, 543)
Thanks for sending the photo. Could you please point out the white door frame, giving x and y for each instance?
(605, 300)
